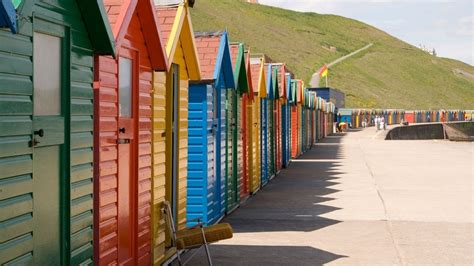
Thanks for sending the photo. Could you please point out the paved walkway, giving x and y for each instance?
(357, 199)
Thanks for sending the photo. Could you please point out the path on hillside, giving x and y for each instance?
(357, 199)
(316, 76)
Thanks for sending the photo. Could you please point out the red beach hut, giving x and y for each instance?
(123, 127)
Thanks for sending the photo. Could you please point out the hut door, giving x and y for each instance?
(216, 142)
(175, 143)
(49, 152)
(127, 154)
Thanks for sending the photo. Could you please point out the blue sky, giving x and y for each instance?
(445, 25)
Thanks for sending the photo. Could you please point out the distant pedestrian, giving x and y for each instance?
(383, 125)
(377, 122)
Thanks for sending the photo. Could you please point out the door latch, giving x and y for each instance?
(123, 141)
(33, 142)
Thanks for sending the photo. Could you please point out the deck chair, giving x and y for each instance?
(196, 236)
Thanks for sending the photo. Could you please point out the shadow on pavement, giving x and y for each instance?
(294, 201)
(267, 255)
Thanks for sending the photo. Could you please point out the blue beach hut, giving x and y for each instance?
(207, 129)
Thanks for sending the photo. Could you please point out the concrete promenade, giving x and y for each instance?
(357, 199)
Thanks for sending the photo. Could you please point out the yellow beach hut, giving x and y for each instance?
(170, 123)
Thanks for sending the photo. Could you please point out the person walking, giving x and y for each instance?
(382, 123)
(377, 121)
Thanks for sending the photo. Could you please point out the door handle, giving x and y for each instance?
(123, 141)
(39, 132)
(122, 130)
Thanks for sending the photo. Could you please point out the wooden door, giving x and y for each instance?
(216, 147)
(127, 158)
(175, 142)
(50, 98)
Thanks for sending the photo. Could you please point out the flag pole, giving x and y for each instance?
(327, 81)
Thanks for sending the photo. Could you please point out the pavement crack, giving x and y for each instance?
(387, 219)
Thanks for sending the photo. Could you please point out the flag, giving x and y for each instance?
(324, 71)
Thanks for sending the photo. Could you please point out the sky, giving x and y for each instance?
(445, 25)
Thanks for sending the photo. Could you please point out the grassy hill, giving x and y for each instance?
(390, 74)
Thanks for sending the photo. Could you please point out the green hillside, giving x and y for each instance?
(390, 74)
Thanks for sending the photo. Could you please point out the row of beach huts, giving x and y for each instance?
(110, 108)
(356, 117)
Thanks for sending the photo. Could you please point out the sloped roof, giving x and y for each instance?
(120, 13)
(237, 53)
(97, 25)
(208, 50)
(177, 30)
(260, 87)
(166, 17)
(234, 53)
(248, 69)
(255, 70)
(113, 8)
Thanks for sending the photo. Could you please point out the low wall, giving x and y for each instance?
(456, 131)
(459, 131)
(416, 132)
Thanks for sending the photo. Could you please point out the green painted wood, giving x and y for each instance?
(14, 186)
(81, 172)
(15, 166)
(81, 205)
(47, 213)
(81, 156)
(14, 248)
(15, 105)
(15, 125)
(235, 149)
(13, 146)
(18, 65)
(81, 238)
(98, 26)
(82, 107)
(26, 259)
(81, 221)
(21, 45)
(16, 206)
(231, 146)
(82, 123)
(81, 140)
(53, 128)
(15, 84)
(19, 225)
(81, 90)
(82, 255)
(85, 24)
(77, 57)
(81, 74)
(271, 131)
(81, 188)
